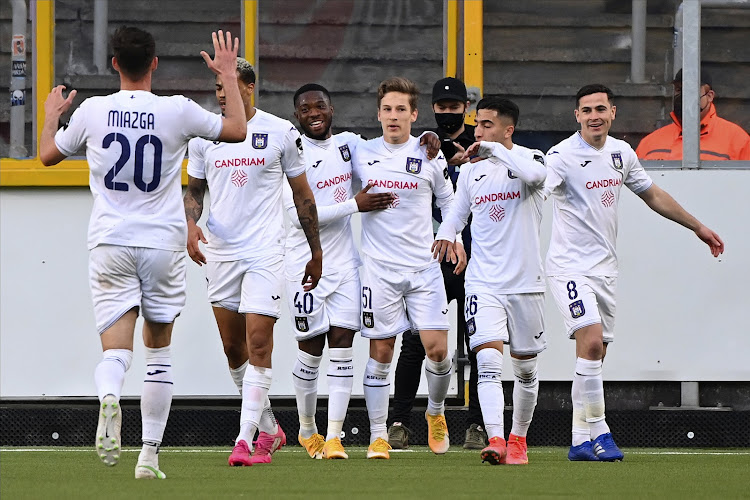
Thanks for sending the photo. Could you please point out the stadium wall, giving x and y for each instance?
(680, 312)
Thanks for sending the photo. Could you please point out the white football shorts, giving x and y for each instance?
(122, 278)
(253, 285)
(516, 319)
(334, 302)
(585, 301)
(395, 300)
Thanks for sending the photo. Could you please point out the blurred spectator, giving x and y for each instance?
(720, 139)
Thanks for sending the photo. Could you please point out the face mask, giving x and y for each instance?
(677, 105)
(449, 122)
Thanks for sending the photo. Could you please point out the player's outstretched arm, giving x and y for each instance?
(193, 200)
(367, 202)
(224, 64)
(662, 203)
(307, 214)
(54, 107)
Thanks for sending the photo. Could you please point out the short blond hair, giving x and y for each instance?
(399, 84)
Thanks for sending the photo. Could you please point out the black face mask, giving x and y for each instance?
(449, 122)
(677, 105)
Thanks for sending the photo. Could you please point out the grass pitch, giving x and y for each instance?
(204, 473)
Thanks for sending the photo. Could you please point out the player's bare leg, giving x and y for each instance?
(491, 399)
(588, 390)
(255, 385)
(340, 381)
(525, 393)
(438, 372)
(117, 347)
(377, 391)
(156, 398)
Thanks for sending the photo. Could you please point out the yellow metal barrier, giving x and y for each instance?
(473, 60)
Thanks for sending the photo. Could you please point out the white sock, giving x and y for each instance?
(156, 399)
(305, 378)
(581, 432)
(490, 391)
(268, 423)
(255, 387)
(525, 391)
(340, 381)
(238, 374)
(377, 390)
(593, 394)
(110, 372)
(438, 375)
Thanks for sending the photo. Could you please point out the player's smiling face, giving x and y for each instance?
(314, 113)
(396, 116)
(595, 114)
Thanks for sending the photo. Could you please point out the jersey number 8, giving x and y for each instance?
(140, 146)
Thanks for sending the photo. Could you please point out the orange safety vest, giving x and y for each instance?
(720, 140)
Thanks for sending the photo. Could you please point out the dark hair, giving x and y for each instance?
(504, 107)
(311, 87)
(245, 71)
(399, 84)
(134, 50)
(594, 88)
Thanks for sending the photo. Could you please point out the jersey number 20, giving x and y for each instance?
(109, 179)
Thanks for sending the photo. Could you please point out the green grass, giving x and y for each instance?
(203, 473)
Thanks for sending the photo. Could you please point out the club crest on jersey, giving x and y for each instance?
(368, 320)
(260, 141)
(301, 323)
(413, 165)
(471, 327)
(617, 160)
(576, 309)
(345, 154)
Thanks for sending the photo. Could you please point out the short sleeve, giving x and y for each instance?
(72, 137)
(197, 122)
(637, 179)
(196, 166)
(292, 158)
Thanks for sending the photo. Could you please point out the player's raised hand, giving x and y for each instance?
(711, 239)
(225, 54)
(458, 158)
(473, 150)
(313, 271)
(432, 141)
(195, 236)
(441, 249)
(56, 105)
(367, 202)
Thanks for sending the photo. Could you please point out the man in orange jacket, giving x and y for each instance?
(720, 139)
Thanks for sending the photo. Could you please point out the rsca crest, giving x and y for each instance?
(413, 165)
(345, 154)
(617, 160)
(260, 141)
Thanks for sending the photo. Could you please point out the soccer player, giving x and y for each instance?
(244, 254)
(330, 311)
(399, 275)
(503, 192)
(135, 142)
(585, 174)
(449, 104)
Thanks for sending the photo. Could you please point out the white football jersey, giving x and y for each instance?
(585, 184)
(401, 236)
(504, 196)
(246, 217)
(135, 143)
(329, 173)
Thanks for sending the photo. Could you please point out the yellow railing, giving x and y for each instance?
(75, 172)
